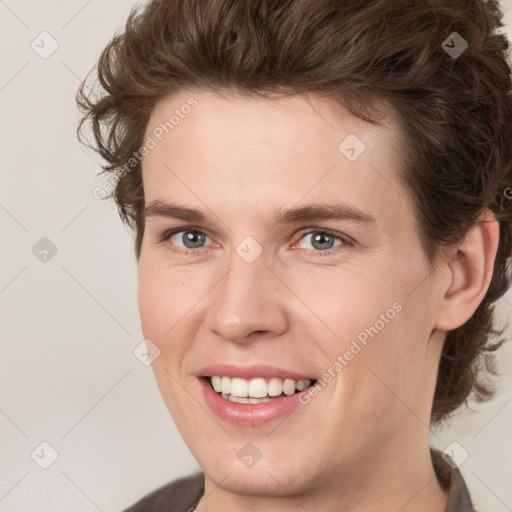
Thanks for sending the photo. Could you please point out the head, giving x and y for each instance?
(260, 116)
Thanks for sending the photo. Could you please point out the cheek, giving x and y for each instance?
(376, 346)
(386, 375)
(349, 304)
(164, 299)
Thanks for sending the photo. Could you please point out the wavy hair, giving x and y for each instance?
(455, 112)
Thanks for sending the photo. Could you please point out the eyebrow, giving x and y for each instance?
(307, 213)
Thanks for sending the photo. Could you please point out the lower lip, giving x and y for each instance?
(249, 414)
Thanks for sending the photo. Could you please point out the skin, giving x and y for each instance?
(362, 442)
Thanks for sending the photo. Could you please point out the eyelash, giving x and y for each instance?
(346, 241)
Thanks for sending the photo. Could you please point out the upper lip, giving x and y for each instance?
(250, 372)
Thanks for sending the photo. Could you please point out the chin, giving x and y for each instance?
(256, 482)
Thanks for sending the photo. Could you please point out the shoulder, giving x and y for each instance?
(177, 496)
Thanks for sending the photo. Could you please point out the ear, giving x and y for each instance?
(469, 269)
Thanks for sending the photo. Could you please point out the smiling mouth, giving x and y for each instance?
(257, 390)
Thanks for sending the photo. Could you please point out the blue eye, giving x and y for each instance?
(190, 238)
(193, 240)
(323, 240)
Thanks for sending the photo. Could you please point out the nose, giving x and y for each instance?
(248, 303)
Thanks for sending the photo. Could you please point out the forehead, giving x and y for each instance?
(252, 153)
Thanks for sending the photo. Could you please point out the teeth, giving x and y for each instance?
(226, 384)
(242, 400)
(274, 387)
(289, 387)
(244, 391)
(217, 383)
(257, 388)
(302, 384)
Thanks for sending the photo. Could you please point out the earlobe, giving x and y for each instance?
(470, 271)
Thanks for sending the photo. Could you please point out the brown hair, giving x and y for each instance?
(455, 111)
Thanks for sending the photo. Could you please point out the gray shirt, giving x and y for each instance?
(183, 495)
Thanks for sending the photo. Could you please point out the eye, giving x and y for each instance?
(191, 238)
(324, 242)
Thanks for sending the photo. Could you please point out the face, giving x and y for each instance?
(263, 290)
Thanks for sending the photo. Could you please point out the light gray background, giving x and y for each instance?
(70, 325)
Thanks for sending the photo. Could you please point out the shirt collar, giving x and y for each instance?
(450, 478)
